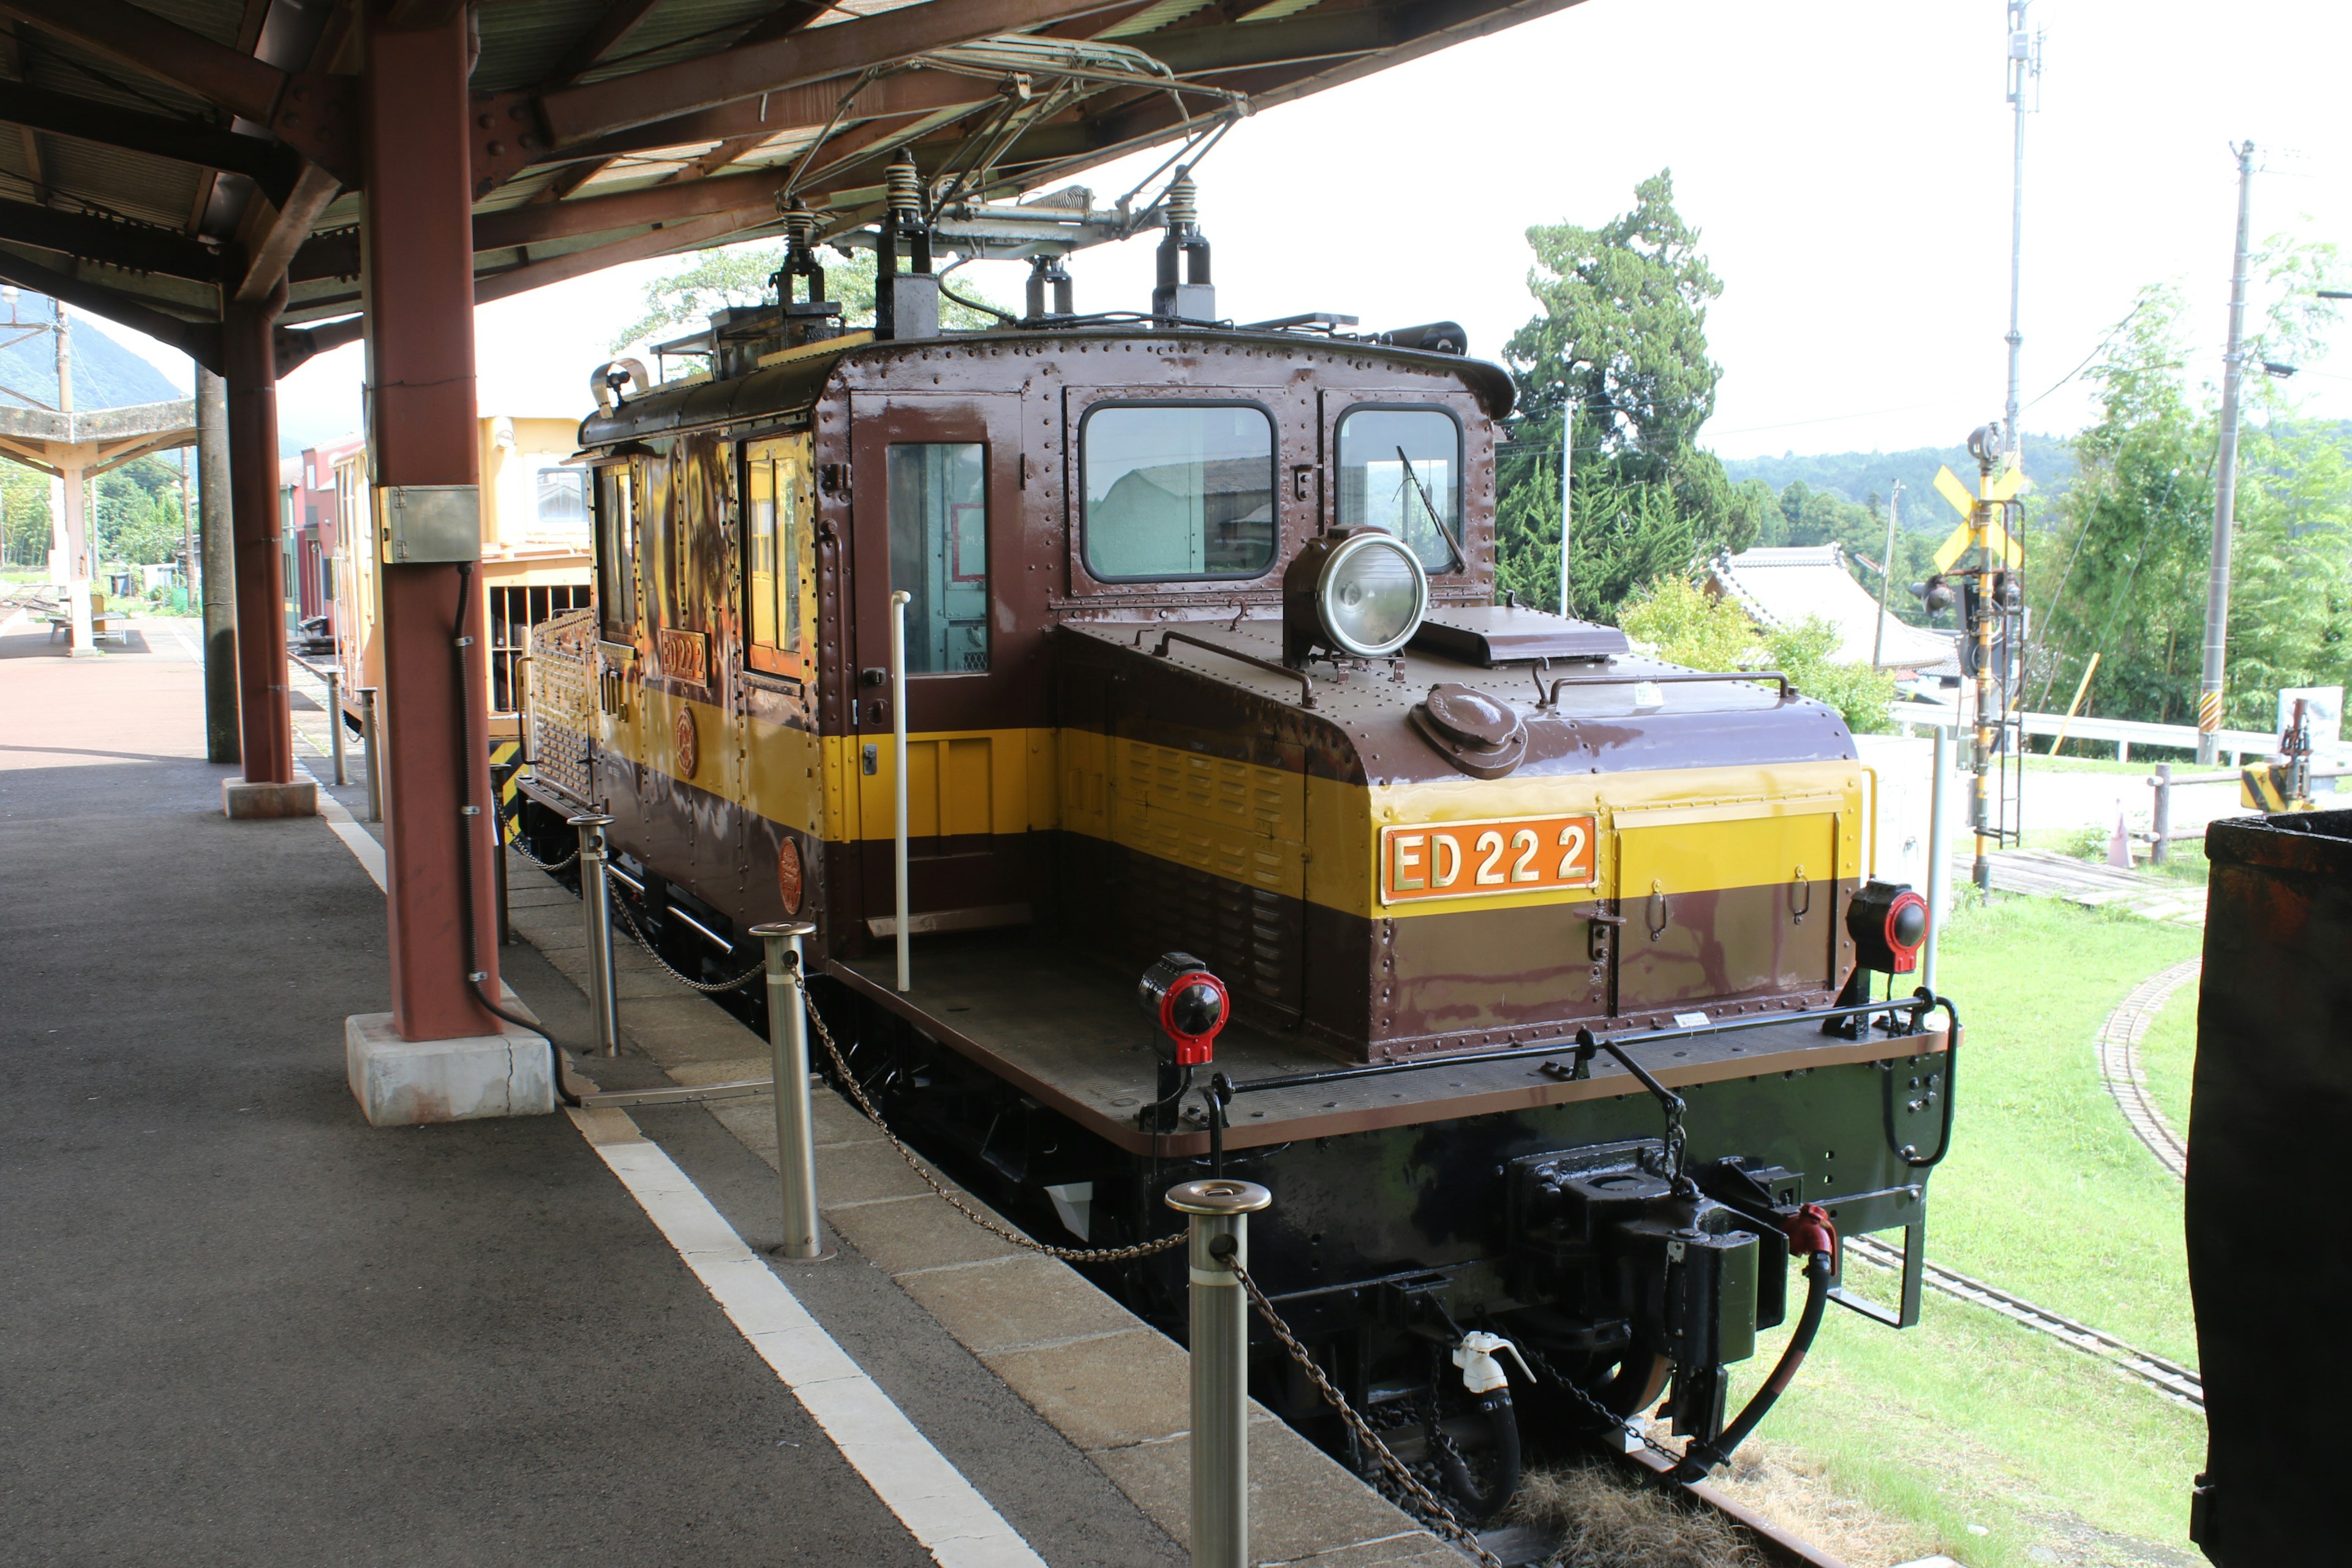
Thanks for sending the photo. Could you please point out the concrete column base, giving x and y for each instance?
(400, 1083)
(247, 801)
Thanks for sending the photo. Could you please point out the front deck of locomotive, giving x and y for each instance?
(1419, 1069)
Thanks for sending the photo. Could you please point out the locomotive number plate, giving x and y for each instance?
(1481, 859)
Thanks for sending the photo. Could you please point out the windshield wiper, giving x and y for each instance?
(1461, 561)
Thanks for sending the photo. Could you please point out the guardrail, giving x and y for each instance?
(2124, 732)
(2164, 781)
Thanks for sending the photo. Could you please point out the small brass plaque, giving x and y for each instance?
(685, 656)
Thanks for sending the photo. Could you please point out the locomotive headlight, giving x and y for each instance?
(1366, 592)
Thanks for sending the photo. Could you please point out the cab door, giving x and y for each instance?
(936, 498)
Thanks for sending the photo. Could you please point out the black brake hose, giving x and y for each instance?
(1698, 1458)
(1503, 1432)
(467, 754)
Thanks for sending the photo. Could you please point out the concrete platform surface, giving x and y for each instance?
(244, 1327)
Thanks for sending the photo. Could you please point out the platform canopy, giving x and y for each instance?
(159, 160)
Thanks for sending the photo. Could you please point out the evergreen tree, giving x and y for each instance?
(1620, 348)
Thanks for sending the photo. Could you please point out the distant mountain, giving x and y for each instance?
(1858, 476)
(105, 373)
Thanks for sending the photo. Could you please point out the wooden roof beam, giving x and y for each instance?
(130, 246)
(581, 113)
(199, 341)
(270, 164)
(803, 108)
(138, 38)
(608, 32)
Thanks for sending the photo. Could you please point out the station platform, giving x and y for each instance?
(245, 1327)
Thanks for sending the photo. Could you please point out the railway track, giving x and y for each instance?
(2169, 1378)
(2120, 1069)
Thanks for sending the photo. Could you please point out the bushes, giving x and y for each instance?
(1689, 627)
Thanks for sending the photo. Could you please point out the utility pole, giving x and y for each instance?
(2024, 65)
(1567, 487)
(2225, 481)
(1886, 575)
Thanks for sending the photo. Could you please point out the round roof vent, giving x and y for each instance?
(1481, 734)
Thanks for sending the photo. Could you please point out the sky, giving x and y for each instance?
(1847, 165)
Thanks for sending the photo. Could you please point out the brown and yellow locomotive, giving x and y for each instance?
(1199, 653)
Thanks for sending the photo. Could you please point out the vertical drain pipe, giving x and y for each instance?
(1219, 1211)
(596, 909)
(900, 599)
(788, 1041)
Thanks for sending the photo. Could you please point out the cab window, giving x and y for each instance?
(772, 518)
(616, 552)
(1177, 490)
(938, 553)
(1400, 472)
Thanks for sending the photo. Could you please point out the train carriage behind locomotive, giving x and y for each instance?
(1201, 654)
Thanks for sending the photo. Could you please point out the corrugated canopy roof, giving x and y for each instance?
(156, 158)
(1781, 586)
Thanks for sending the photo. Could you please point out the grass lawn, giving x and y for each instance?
(1968, 1419)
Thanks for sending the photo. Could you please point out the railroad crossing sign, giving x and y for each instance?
(1997, 538)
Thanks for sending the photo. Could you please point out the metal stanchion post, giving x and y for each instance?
(335, 724)
(595, 903)
(1939, 854)
(1220, 1210)
(906, 916)
(498, 839)
(368, 738)
(2163, 823)
(788, 1039)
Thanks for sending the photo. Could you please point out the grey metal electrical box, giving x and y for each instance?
(420, 524)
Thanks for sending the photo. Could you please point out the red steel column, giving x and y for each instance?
(416, 242)
(264, 724)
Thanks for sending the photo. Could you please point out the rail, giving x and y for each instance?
(1671, 678)
(2123, 732)
(332, 680)
(1305, 685)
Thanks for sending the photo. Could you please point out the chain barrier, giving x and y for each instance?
(706, 988)
(1594, 1408)
(1432, 1508)
(550, 867)
(1003, 1232)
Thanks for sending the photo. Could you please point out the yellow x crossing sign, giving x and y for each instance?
(1997, 538)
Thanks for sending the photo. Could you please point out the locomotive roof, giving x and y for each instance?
(793, 385)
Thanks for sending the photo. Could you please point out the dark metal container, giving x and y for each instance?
(2271, 1106)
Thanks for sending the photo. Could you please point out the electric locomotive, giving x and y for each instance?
(1549, 967)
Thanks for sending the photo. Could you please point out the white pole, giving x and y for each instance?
(2209, 695)
(1566, 488)
(1940, 855)
(905, 923)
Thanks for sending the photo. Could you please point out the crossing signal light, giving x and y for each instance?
(1935, 593)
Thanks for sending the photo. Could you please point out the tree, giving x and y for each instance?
(1619, 348)
(24, 514)
(741, 275)
(2126, 575)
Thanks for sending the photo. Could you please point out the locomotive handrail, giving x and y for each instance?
(1916, 1006)
(1305, 685)
(1669, 678)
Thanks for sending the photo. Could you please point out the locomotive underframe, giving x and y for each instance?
(1385, 1243)
(1402, 1196)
